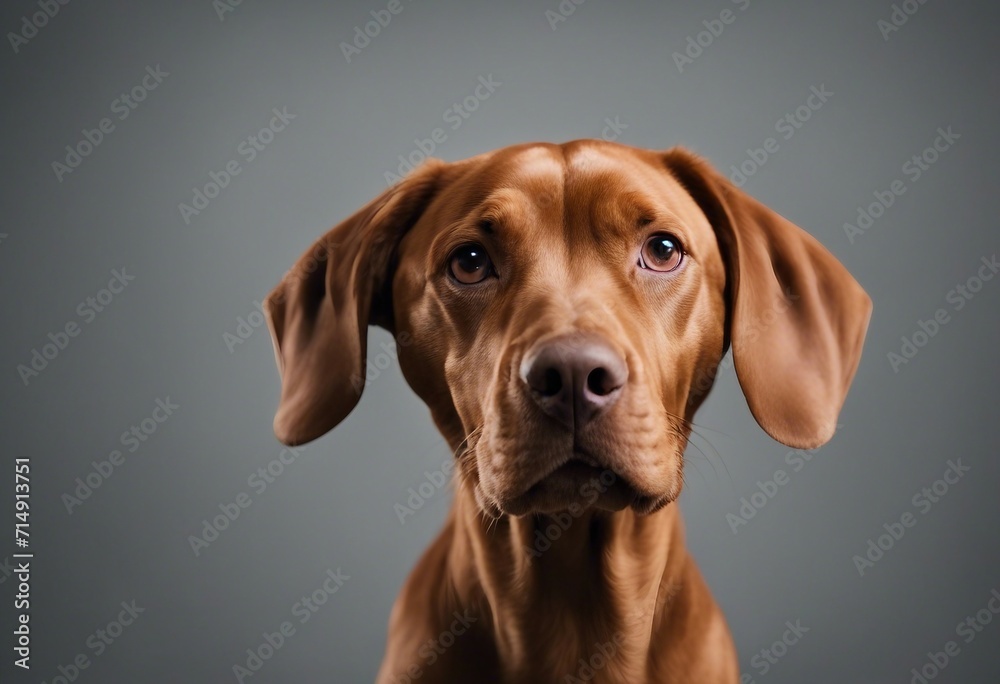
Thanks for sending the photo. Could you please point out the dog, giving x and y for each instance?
(562, 311)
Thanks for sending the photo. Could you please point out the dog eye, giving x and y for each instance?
(661, 253)
(470, 264)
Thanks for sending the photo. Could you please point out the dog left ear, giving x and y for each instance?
(797, 319)
(320, 312)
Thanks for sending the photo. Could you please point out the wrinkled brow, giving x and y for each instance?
(634, 208)
(503, 207)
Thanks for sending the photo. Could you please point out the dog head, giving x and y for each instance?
(562, 310)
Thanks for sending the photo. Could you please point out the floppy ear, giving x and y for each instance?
(319, 313)
(797, 319)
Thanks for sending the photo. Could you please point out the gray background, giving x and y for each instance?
(333, 507)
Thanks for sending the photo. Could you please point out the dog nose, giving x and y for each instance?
(574, 378)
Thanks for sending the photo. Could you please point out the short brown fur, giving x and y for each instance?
(612, 596)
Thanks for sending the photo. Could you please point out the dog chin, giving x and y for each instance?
(575, 487)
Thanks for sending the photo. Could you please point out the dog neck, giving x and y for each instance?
(598, 584)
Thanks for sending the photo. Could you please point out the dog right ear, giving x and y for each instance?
(319, 314)
(797, 317)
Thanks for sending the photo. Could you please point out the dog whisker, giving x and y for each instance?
(465, 457)
(675, 422)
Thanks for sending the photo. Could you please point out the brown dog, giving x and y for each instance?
(562, 310)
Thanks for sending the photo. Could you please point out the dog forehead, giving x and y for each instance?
(583, 165)
(533, 173)
(615, 173)
(514, 184)
(535, 183)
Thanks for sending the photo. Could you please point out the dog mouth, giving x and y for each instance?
(579, 482)
(584, 458)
